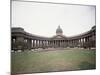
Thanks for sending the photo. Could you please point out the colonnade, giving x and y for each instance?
(26, 43)
(19, 41)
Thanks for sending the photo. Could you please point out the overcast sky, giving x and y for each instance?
(43, 18)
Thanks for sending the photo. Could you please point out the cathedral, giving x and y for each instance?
(22, 40)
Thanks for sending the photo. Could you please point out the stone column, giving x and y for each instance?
(80, 42)
(83, 41)
(48, 43)
(52, 43)
(45, 43)
(64, 43)
(39, 44)
(90, 43)
(73, 42)
(87, 44)
(70, 43)
(42, 44)
(36, 44)
(29, 42)
(33, 43)
(67, 43)
(55, 43)
(19, 43)
(76, 42)
(13, 43)
(61, 43)
(94, 39)
(58, 43)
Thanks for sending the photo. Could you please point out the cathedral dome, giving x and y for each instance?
(59, 31)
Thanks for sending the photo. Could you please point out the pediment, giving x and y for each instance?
(59, 37)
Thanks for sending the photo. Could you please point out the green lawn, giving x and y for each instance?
(58, 60)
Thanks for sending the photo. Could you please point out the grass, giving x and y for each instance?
(48, 61)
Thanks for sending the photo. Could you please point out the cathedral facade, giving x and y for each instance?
(22, 40)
